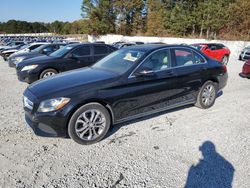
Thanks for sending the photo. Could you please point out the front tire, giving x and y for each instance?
(47, 73)
(207, 95)
(89, 124)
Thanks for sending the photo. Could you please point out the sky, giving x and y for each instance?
(40, 10)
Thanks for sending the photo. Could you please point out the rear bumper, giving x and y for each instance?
(223, 81)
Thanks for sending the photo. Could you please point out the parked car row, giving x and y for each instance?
(99, 86)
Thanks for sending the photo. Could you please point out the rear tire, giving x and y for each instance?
(47, 73)
(89, 124)
(207, 95)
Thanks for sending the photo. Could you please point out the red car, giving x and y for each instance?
(246, 70)
(214, 50)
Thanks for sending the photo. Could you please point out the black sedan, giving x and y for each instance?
(70, 57)
(42, 50)
(128, 84)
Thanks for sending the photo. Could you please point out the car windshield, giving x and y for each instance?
(39, 48)
(119, 61)
(24, 46)
(61, 52)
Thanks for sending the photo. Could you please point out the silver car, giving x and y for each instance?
(245, 54)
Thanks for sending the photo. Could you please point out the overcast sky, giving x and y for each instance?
(40, 10)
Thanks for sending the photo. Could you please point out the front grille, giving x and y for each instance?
(27, 103)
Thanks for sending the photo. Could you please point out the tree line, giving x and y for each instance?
(228, 19)
(58, 27)
(181, 18)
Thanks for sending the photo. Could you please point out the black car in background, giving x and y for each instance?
(70, 57)
(45, 49)
(130, 83)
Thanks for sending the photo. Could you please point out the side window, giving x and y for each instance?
(183, 57)
(98, 50)
(81, 51)
(34, 46)
(198, 59)
(158, 61)
(212, 47)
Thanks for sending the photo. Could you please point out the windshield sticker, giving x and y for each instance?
(129, 57)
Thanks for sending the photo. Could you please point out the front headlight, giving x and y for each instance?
(19, 59)
(53, 104)
(29, 67)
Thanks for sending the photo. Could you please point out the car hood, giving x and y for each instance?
(70, 80)
(38, 59)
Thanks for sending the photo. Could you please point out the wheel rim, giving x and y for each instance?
(208, 95)
(90, 125)
(48, 74)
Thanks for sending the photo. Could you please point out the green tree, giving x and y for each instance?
(100, 15)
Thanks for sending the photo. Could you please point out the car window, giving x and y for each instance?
(198, 59)
(158, 61)
(34, 46)
(119, 61)
(183, 57)
(81, 51)
(49, 49)
(100, 50)
(212, 47)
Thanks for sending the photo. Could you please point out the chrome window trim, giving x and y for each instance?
(168, 48)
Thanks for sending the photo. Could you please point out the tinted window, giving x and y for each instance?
(81, 51)
(34, 46)
(198, 59)
(158, 61)
(183, 57)
(100, 50)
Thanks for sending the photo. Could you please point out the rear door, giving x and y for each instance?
(191, 69)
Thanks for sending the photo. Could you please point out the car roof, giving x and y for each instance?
(152, 47)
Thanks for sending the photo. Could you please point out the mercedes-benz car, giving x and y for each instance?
(130, 83)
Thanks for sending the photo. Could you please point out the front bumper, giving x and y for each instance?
(26, 76)
(40, 126)
(243, 75)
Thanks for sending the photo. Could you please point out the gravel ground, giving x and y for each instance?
(160, 151)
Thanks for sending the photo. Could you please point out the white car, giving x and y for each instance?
(31, 47)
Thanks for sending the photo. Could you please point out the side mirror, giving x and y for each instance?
(144, 73)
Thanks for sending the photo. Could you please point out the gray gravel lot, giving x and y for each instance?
(161, 151)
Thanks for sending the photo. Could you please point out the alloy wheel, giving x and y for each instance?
(208, 95)
(48, 74)
(90, 125)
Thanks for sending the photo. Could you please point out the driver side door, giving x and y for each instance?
(151, 87)
(78, 58)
